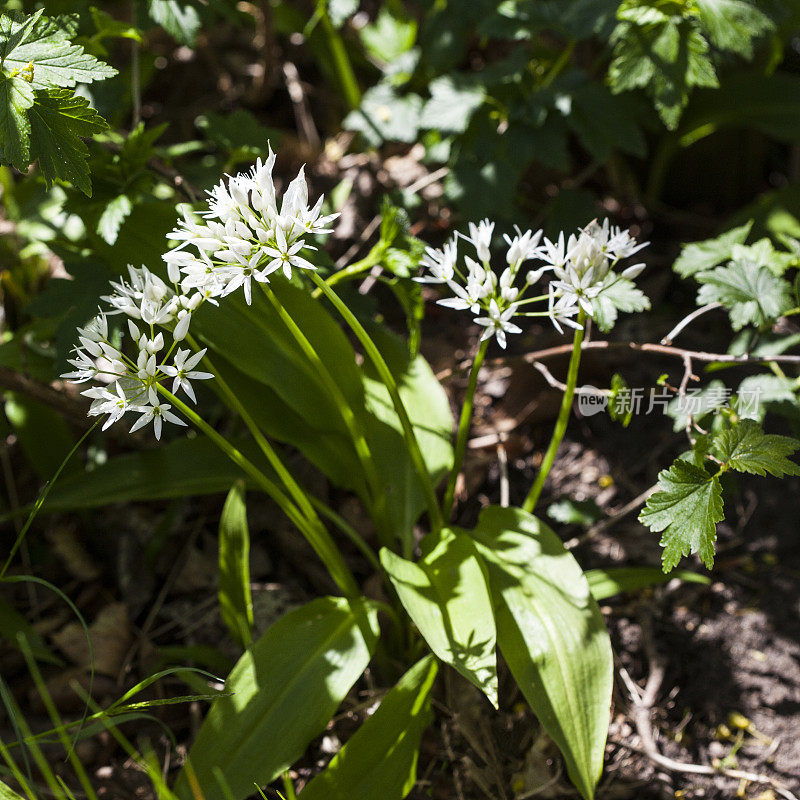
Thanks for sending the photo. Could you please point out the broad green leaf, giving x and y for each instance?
(16, 98)
(379, 762)
(429, 411)
(38, 48)
(746, 448)
(385, 116)
(704, 255)
(745, 99)
(551, 634)
(733, 24)
(751, 293)
(758, 392)
(605, 583)
(620, 130)
(618, 294)
(58, 120)
(685, 510)
(177, 17)
(44, 436)
(389, 36)
(574, 512)
(296, 406)
(664, 55)
(446, 595)
(450, 107)
(114, 215)
(181, 468)
(285, 689)
(235, 602)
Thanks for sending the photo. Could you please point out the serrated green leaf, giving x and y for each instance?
(733, 24)
(685, 510)
(379, 762)
(16, 97)
(699, 256)
(179, 19)
(618, 294)
(447, 597)
(235, 602)
(40, 49)
(751, 293)
(385, 116)
(665, 56)
(389, 37)
(451, 106)
(58, 120)
(757, 392)
(114, 215)
(746, 448)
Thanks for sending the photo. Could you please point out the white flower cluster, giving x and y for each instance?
(244, 236)
(241, 238)
(129, 383)
(581, 269)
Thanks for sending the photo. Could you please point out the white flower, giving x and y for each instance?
(480, 236)
(156, 412)
(498, 323)
(184, 371)
(479, 286)
(115, 403)
(440, 263)
(522, 247)
(285, 256)
(242, 274)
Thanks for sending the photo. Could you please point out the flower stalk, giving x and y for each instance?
(312, 528)
(388, 380)
(463, 429)
(562, 420)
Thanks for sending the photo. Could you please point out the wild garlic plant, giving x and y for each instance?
(242, 285)
(250, 242)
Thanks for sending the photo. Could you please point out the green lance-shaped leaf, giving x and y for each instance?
(7, 793)
(606, 583)
(234, 567)
(285, 689)
(380, 761)
(447, 597)
(551, 634)
(685, 510)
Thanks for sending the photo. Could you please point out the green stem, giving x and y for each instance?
(463, 429)
(296, 491)
(563, 418)
(312, 528)
(348, 416)
(340, 61)
(386, 376)
(375, 256)
(558, 65)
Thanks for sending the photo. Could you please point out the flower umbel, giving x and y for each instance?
(581, 266)
(244, 236)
